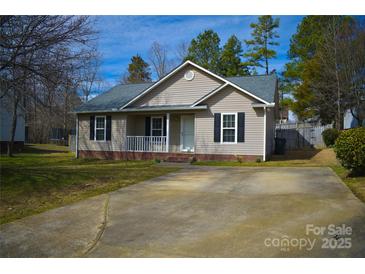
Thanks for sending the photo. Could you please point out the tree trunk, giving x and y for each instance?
(13, 127)
(266, 58)
(339, 124)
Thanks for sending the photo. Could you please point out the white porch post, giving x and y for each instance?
(264, 152)
(167, 131)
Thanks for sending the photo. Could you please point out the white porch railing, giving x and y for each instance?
(146, 143)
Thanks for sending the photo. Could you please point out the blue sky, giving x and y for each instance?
(121, 37)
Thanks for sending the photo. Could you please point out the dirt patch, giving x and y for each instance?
(325, 156)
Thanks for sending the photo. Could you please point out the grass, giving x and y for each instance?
(356, 184)
(306, 158)
(47, 176)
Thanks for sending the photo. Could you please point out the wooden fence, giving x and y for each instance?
(301, 135)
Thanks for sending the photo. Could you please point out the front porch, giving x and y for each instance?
(161, 133)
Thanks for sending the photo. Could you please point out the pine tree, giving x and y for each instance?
(204, 50)
(231, 64)
(326, 68)
(138, 71)
(263, 36)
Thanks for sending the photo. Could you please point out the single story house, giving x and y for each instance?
(191, 112)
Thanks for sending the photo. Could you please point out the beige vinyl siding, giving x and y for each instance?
(270, 130)
(178, 91)
(136, 125)
(230, 100)
(118, 137)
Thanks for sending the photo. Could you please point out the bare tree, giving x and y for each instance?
(90, 79)
(35, 51)
(159, 59)
(337, 71)
(182, 51)
(352, 57)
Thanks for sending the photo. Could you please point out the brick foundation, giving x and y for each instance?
(173, 157)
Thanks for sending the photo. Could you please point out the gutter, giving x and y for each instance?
(258, 105)
(142, 109)
(264, 154)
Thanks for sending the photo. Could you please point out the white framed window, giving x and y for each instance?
(156, 126)
(229, 128)
(100, 128)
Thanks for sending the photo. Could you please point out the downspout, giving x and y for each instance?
(167, 131)
(77, 136)
(264, 152)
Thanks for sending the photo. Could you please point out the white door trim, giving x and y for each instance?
(182, 135)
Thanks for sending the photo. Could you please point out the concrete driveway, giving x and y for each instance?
(202, 212)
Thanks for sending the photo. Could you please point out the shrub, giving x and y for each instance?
(350, 149)
(157, 161)
(329, 136)
(258, 160)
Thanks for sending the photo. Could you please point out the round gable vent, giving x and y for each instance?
(189, 75)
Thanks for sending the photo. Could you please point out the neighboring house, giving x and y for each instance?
(191, 112)
(349, 121)
(283, 115)
(5, 125)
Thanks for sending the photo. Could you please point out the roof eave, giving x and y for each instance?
(202, 107)
(196, 66)
(269, 105)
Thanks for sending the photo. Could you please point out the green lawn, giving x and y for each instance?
(306, 158)
(356, 184)
(48, 176)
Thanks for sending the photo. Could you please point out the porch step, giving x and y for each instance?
(179, 159)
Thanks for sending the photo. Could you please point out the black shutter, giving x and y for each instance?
(92, 127)
(217, 127)
(241, 127)
(147, 126)
(108, 136)
(164, 126)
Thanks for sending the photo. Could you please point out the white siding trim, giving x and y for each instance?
(209, 95)
(264, 149)
(98, 116)
(157, 83)
(235, 128)
(228, 82)
(167, 131)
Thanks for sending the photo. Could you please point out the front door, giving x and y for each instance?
(187, 133)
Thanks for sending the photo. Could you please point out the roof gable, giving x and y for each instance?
(177, 69)
(176, 90)
(261, 88)
(258, 87)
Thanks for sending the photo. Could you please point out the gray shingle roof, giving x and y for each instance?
(114, 98)
(262, 86)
